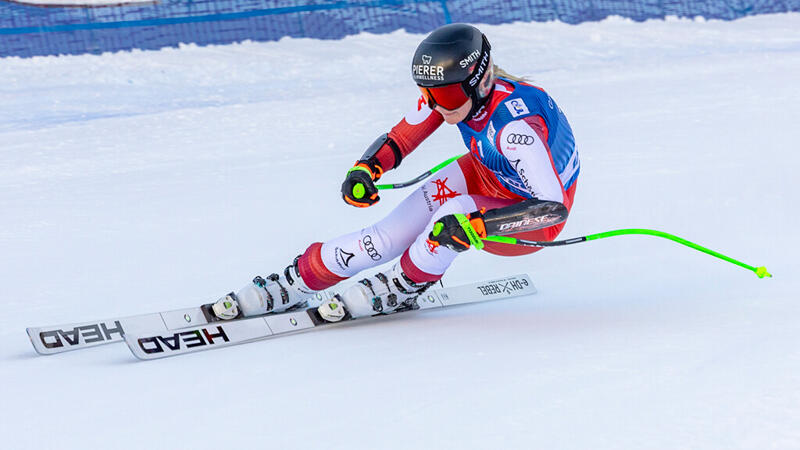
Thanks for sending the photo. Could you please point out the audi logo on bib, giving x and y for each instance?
(369, 247)
(521, 139)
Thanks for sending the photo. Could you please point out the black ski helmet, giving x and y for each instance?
(450, 62)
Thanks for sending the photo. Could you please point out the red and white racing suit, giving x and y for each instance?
(461, 187)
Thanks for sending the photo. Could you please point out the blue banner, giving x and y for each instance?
(52, 27)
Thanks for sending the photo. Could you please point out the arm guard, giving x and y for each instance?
(383, 141)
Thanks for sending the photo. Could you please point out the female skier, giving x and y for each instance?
(521, 162)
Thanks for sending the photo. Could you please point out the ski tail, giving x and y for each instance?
(67, 337)
(63, 338)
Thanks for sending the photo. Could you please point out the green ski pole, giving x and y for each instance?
(421, 177)
(761, 271)
(359, 190)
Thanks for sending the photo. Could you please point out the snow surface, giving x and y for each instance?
(143, 181)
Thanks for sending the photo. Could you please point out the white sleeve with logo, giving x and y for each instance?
(530, 156)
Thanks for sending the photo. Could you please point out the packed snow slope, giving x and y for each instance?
(144, 181)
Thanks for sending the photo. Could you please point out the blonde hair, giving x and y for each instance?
(498, 72)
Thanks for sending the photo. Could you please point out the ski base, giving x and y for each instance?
(153, 340)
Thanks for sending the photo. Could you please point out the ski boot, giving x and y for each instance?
(381, 293)
(275, 293)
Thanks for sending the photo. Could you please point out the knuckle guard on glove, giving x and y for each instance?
(358, 188)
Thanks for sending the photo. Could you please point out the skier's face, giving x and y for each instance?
(453, 116)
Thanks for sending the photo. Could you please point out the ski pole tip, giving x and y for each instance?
(762, 272)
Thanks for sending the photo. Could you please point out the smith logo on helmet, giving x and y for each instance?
(470, 59)
(481, 69)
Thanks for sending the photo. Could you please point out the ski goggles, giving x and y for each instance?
(450, 97)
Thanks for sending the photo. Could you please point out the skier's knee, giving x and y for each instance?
(458, 205)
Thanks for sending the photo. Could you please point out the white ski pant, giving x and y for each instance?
(405, 228)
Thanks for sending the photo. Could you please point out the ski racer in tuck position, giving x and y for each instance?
(519, 179)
